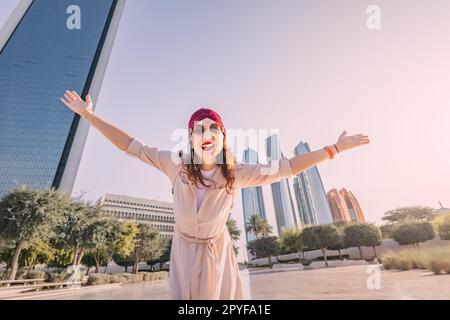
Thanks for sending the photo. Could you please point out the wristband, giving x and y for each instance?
(335, 145)
(329, 151)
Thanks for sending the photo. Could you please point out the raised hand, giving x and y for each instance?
(348, 142)
(76, 104)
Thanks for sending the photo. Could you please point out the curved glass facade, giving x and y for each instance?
(311, 194)
(282, 199)
(252, 198)
(41, 59)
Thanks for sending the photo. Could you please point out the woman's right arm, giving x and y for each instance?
(166, 161)
(114, 134)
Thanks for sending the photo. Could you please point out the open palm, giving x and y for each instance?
(348, 142)
(76, 104)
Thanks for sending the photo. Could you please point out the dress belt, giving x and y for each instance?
(210, 270)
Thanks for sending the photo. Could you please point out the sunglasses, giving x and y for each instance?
(199, 129)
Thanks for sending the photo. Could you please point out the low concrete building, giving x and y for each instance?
(158, 214)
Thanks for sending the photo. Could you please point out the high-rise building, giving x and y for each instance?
(252, 197)
(283, 205)
(311, 193)
(45, 48)
(158, 214)
(338, 206)
(345, 206)
(305, 205)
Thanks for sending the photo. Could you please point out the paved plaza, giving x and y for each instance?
(348, 282)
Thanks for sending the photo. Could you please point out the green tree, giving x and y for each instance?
(339, 244)
(444, 228)
(413, 233)
(386, 230)
(235, 233)
(414, 213)
(94, 258)
(6, 252)
(123, 261)
(362, 234)
(76, 230)
(266, 247)
(320, 237)
(290, 241)
(127, 239)
(27, 215)
(38, 252)
(165, 256)
(61, 258)
(148, 245)
(107, 239)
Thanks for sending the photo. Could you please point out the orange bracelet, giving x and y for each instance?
(329, 151)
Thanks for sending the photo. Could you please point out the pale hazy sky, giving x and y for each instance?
(309, 68)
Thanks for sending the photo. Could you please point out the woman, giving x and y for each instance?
(202, 260)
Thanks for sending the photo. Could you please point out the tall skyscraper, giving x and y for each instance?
(45, 48)
(284, 206)
(252, 198)
(311, 193)
(305, 205)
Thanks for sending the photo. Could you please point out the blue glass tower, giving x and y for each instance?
(42, 53)
(252, 198)
(310, 193)
(282, 199)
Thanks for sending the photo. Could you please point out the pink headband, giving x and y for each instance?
(203, 113)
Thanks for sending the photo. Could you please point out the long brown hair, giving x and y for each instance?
(191, 170)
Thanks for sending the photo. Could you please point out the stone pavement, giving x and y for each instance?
(348, 282)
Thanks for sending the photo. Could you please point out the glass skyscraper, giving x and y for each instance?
(305, 205)
(48, 46)
(252, 198)
(284, 206)
(310, 193)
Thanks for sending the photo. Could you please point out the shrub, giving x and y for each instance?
(329, 258)
(446, 267)
(413, 233)
(125, 278)
(389, 262)
(404, 263)
(306, 262)
(96, 279)
(20, 274)
(434, 259)
(436, 266)
(444, 228)
(56, 276)
(34, 274)
(4, 275)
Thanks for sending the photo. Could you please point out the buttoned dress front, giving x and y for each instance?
(202, 260)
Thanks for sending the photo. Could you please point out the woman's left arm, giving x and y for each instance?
(305, 161)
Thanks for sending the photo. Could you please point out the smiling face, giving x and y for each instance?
(207, 140)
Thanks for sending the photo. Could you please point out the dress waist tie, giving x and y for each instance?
(210, 269)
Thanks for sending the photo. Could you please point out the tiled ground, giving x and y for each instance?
(349, 282)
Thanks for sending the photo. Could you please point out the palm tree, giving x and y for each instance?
(266, 228)
(258, 226)
(235, 233)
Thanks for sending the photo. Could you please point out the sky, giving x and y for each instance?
(310, 69)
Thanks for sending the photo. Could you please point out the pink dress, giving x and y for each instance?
(202, 261)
